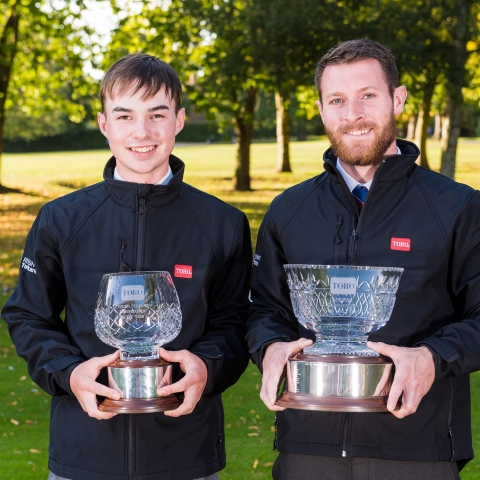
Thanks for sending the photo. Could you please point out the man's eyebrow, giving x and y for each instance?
(339, 94)
(159, 107)
(121, 109)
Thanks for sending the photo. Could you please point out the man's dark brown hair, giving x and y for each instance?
(135, 72)
(355, 51)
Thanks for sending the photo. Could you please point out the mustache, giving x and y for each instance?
(349, 127)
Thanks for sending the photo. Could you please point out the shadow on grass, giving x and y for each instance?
(6, 190)
(73, 185)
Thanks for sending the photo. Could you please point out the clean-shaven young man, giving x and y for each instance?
(142, 217)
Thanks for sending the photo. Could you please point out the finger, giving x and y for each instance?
(189, 402)
(177, 387)
(103, 391)
(382, 348)
(107, 360)
(90, 405)
(380, 390)
(298, 346)
(266, 400)
(396, 390)
(172, 356)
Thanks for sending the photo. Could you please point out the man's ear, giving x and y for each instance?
(102, 123)
(180, 121)
(320, 109)
(399, 99)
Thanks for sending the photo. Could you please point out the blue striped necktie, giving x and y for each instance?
(360, 193)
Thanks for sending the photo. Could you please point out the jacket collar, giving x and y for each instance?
(127, 194)
(394, 167)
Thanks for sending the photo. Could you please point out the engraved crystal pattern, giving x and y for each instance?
(342, 304)
(137, 312)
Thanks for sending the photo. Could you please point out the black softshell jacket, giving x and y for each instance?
(119, 226)
(437, 304)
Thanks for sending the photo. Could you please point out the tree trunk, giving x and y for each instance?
(423, 121)
(437, 131)
(450, 135)
(412, 122)
(243, 124)
(301, 129)
(282, 103)
(8, 49)
(454, 84)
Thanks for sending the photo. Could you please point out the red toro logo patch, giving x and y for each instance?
(183, 271)
(400, 244)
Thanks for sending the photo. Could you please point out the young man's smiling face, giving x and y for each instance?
(358, 111)
(141, 133)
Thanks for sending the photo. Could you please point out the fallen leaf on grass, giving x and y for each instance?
(255, 463)
(243, 420)
(255, 434)
(253, 427)
(23, 377)
(29, 422)
(15, 422)
(268, 464)
(34, 450)
(14, 403)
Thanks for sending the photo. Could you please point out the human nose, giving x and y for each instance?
(141, 129)
(353, 112)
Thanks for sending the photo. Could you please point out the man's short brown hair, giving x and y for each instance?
(356, 51)
(134, 72)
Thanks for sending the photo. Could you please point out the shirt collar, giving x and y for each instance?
(163, 181)
(350, 181)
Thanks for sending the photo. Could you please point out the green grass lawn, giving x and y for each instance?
(24, 408)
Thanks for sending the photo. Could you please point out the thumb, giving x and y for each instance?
(381, 348)
(108, 359)
(299, 345)
(168, 355)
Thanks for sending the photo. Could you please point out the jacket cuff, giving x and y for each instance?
(257, 354)
(61, 368)
(443, 354)
(211, 364)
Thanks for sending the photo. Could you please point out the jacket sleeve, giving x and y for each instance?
(33, 312)
(222, 346)
(456, 347)
(271, 314)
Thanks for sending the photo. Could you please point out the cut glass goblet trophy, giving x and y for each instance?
(342, 305)
(137, 312)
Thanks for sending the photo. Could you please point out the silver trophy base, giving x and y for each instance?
(337, 383)
(138, 381)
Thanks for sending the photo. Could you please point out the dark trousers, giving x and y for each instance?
(290, 466)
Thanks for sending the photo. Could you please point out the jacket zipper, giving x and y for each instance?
(124, 266)
(450, 432)
(275, 439)
(346, 423)
(130, 448)
(220, 450)
(141, 223)
(339, 224)
(352, 260)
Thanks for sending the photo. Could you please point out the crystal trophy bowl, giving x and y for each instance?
(137, 312)
(342, 305)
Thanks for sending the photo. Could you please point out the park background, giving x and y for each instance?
(252, 130)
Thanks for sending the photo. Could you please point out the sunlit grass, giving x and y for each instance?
(24, 410)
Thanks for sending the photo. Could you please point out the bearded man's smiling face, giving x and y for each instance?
(358, 112)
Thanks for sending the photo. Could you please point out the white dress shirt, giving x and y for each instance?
(350, 181)
(163, 181)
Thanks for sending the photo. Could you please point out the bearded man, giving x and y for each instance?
(372, 193)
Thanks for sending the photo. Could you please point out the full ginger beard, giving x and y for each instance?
(359, 153)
